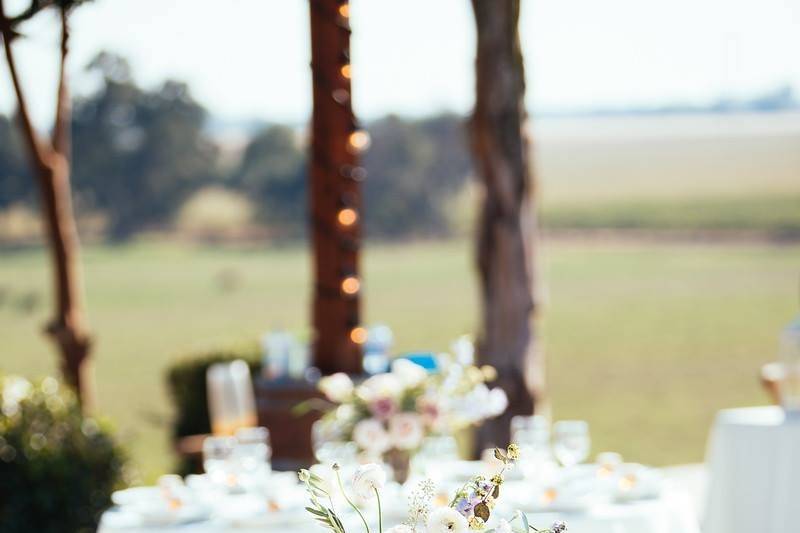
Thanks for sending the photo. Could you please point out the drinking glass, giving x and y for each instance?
(532, 435)
(571, 442)
(217, 458)
(252, 450)
(328, 446)
(436, 456)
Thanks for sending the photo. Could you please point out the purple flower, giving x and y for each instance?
(464, 506)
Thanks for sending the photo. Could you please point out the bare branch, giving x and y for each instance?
(61, 129)
(31, 138)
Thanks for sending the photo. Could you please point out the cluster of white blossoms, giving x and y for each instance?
(398, 409)
(469, 510)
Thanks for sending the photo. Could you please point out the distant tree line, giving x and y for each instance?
(140, 153)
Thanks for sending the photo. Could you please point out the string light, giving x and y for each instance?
(358, 335)
(350, 285)
(345, 71)
(344, 10)
(358, 141)
(347, 216)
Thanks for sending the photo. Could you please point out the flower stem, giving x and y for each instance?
(380, 513)
(341, 487)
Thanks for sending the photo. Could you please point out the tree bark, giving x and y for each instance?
(50, 161)
(334, 186)
(506, 226)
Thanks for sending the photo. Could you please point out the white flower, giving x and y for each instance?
(410, 374)
(498, 402)
(380, 386)
(447, 520)
(406, 431)
(367, 479)
(402, 528)
(336, 387)
(370, 435)
(503, 527)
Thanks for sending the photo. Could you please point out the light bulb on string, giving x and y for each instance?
(345, 71)
(358, 335)
(351, 285)
(358, 141)
(344, 10)
(347, 216)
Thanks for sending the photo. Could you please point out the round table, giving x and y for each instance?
(754, 466)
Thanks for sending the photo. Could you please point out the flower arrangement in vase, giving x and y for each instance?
(389, 415)
(469, 510)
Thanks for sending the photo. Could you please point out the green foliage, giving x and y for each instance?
(186, 382)
(273, 172)
(138, 153)
(413, 167)
(16, 184)
(57, 467)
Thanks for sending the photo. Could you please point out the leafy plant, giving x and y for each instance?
(58, 467)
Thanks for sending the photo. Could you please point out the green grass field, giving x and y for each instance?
(644, 340)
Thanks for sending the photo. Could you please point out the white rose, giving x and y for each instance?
(336, 387)
(370, 435)
(380, 386)
(447, 520)
(410, 374)
(498, 402)
(406, 431)
(368, 479)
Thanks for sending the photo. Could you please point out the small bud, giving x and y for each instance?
(304, 475)
(336, 466)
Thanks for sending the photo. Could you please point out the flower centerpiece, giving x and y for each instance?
(469, 510)
(388, 415)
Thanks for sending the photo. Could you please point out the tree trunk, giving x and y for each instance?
(335, 193)
(506, 227)
(51, 167)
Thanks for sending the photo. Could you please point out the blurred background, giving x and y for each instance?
(666, 148)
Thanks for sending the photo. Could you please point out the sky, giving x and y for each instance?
(248, 59)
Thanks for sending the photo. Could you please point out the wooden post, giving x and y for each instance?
(506, 227)
(50, 162)
(335, 194)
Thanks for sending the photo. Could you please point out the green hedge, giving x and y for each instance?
(57, 467)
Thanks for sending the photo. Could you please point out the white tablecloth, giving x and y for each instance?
(754, 466)
(671, 513)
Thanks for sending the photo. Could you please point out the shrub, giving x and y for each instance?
(58, 468)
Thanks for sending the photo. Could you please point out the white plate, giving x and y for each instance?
(136, 495)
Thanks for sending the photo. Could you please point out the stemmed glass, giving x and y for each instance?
(532, 434)
(217, 458)
(252, 451)
(571, 443)
(328, 445)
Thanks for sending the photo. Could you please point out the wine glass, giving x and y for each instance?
(217, 457)
(252, 450)
(532, 435)
(571, 443)
(326, 439)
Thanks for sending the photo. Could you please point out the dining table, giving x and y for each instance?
(668, 510)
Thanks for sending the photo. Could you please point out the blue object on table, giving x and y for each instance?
(426, 360)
